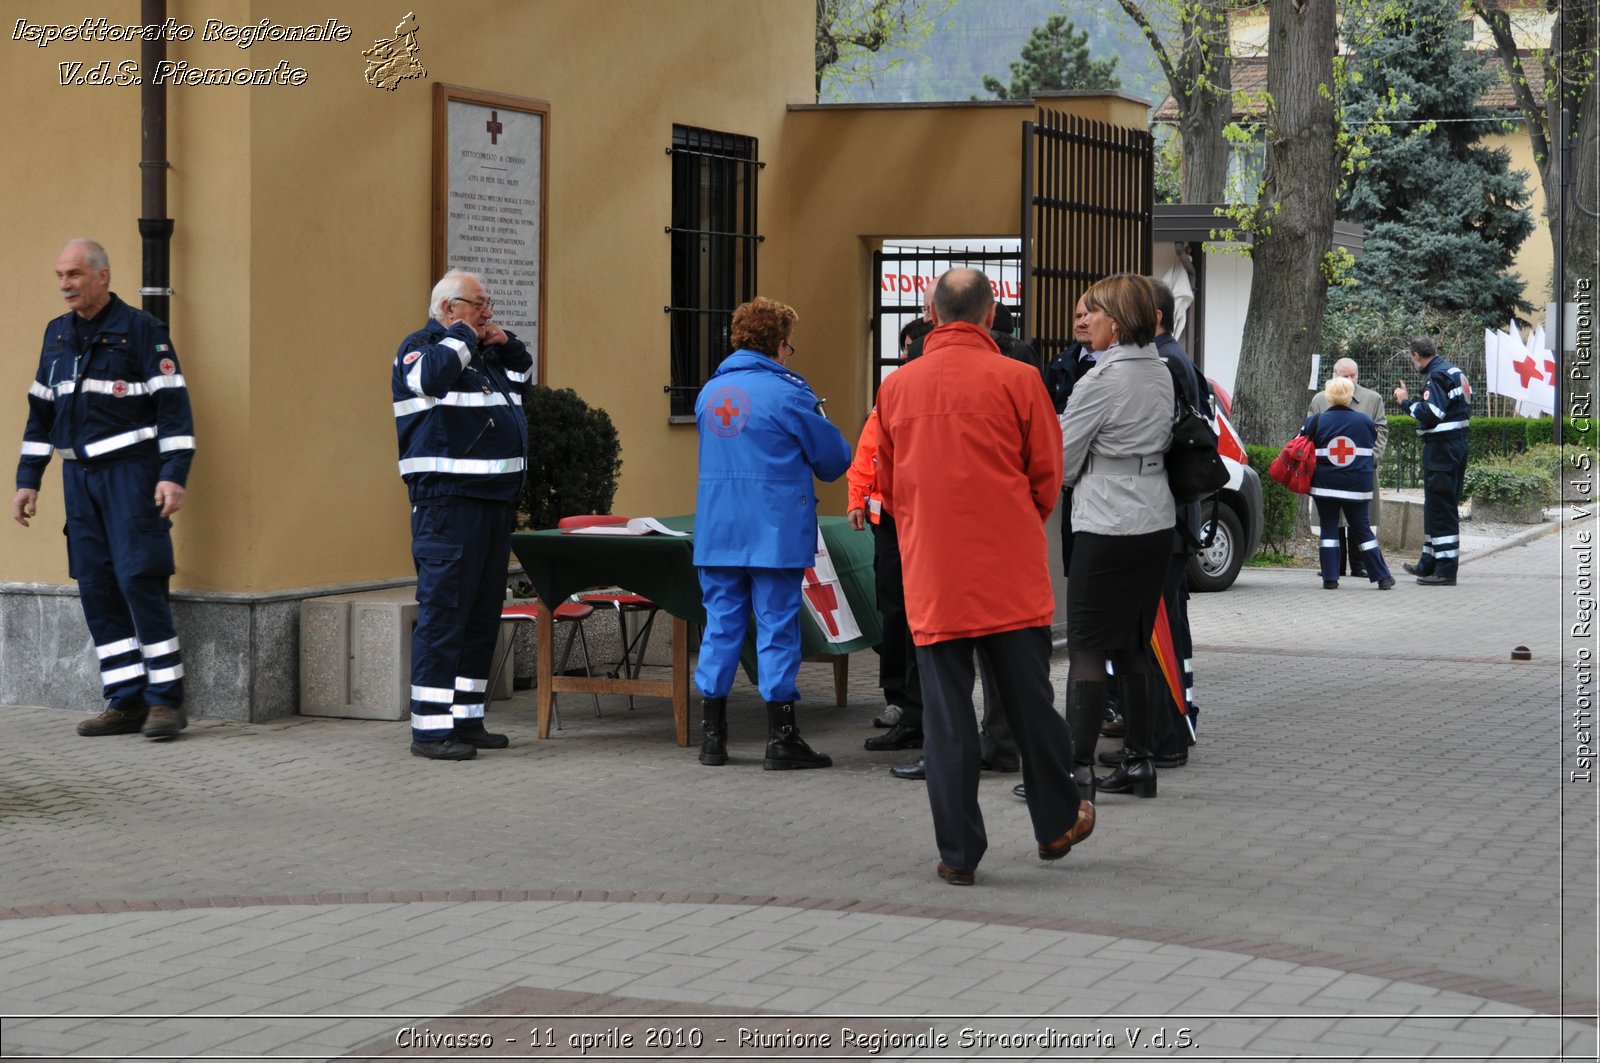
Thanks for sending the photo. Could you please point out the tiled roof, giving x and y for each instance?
(1250, 77)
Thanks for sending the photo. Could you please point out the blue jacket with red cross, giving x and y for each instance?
(763, 438)
(1345, 440)
(109, 394)
(458, 415)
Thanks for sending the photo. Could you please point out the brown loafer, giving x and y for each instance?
(956, 878)
(112, 722)
(1078, 832)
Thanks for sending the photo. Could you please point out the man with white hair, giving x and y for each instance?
(110, 399)
(1369, 402)
(457, 387)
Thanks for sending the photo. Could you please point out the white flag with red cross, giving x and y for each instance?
(825, 598)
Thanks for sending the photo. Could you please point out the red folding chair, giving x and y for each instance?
(620, 600)
(572, 613)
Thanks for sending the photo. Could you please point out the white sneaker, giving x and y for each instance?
(888, 717)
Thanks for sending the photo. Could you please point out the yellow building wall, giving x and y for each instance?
(301, 253)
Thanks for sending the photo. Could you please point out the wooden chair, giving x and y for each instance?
(572, 613)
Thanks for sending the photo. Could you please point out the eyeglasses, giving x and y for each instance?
(485, 303)
(792, 348)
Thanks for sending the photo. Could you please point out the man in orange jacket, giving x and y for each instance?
(969, 461)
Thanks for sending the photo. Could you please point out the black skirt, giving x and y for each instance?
(1113, 587)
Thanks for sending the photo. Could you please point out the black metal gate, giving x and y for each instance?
(903, 278)
(1088, 205)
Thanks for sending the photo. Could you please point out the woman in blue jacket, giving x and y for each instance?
(763, 437)
(1342, 482)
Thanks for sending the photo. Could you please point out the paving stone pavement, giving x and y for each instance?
(1373, 851)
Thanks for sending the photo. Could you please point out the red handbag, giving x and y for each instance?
(1296, 462)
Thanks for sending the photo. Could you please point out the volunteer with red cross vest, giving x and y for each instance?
(1442, 415)
(763, 438)
(457, 389)
(1346, 440)
(110, 399)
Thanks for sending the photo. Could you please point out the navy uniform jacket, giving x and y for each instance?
(1346, 440)
(122, 396)
(458, 413)
(1446, 404)
(763, 437)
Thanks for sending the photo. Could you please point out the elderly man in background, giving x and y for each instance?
(1369, 402)
(457, 386)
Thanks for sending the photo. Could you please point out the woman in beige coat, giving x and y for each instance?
(1118, 425)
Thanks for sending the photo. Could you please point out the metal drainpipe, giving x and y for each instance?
(154, 225)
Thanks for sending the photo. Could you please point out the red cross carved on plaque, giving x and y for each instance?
(727, 411)
(1527, 369)
(494, 127)
(1341, 450)
(823, 600)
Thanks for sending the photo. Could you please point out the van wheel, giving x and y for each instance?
(1217, 566)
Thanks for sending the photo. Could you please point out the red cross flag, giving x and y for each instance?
(825, 598)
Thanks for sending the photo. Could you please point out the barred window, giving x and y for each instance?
(714, 245)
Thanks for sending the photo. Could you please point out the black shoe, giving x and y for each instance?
(917, 769)
(1002, 762)
(1358, 573)
(1436, 580)
(786, 750)
(1386, 583)
(481, 739)
(1171, 760)
(1137, 777)
(1330, 584)
(163, 722)
(1020, 791)
(1412, 570)
(899, 736)
(444, 749)
(112, 722)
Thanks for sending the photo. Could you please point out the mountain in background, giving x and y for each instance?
(978, 37)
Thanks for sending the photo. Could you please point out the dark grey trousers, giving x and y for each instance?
(1018, 664)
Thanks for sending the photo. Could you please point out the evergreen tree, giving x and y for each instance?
(1055, 57)
(1444, 215)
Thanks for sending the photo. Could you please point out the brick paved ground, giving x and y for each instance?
(1372, 851)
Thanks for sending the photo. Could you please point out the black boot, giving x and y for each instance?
(1137, 775)
(1086, 708)
(714, 731)
(786, 750)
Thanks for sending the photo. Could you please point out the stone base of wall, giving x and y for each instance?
(241, 653)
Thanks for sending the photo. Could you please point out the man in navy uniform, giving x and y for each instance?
(110, 398)
(1442, 415)
(457, 389)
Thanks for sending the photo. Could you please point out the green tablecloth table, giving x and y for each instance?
(560, 563)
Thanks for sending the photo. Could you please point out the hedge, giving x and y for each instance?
(1277, 501)
(1487, 437)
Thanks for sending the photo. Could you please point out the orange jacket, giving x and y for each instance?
(862, 476)
(969, 462)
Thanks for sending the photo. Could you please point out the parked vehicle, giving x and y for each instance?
(1239, 519)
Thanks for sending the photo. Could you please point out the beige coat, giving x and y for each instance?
(1118, 427)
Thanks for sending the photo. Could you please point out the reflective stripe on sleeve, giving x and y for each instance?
(1442, 426)
(36, 450)
(433, 695)
(463, 466)
(520, 378)
(117, 442)
(39, 391)
(68, 454)
(1436, 411)
(177, 443)
(111, 649)
(462, 350)
(452, 398)
(156, 383)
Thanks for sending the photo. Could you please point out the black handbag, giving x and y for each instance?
(1194, 468)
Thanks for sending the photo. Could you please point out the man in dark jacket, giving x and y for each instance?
(457, 388)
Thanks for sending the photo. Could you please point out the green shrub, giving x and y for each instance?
(1487, 437)
(574, 458)
(1278, 503)
(1515, 481)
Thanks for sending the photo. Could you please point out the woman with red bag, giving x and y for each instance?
(1342, 483)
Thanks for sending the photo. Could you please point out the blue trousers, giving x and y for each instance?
(119, 549)
(1361, 537)
(731, 595)
(1444, 470)
(462, 551)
